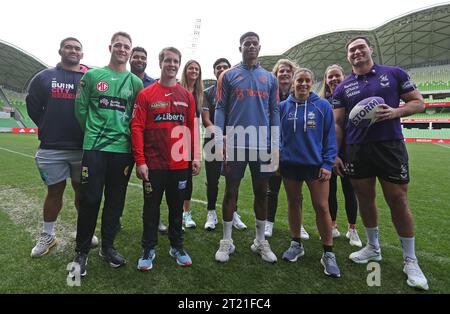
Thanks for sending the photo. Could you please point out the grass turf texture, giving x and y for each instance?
(22, 194)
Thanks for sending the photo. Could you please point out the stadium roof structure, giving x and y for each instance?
(415, 39)
(17, 67)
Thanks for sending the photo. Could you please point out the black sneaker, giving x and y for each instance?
(79, 265)
(112, 257)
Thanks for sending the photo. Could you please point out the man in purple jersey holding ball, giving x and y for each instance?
(378, 151)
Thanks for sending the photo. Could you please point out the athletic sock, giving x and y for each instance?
(49, 227)
(372, 237)
(408, 246)
(327, 248)
(260, 228)
(227, 229)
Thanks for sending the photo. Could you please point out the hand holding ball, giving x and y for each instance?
(363, 113)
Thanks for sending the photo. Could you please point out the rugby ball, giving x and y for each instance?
(363, 114)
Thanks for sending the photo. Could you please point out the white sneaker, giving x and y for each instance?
(226, 247)
(263, 248)
(416, 278)
(211, 220)
(352, 234)
(94, 241)
(366, 254)
(162, 228)
(44, 244)
(188, 221)
(268, 230)
(303, 234)
(237, 222)
(335, 232)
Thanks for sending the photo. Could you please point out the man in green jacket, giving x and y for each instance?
(103, 107)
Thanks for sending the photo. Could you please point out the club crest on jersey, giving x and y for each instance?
(102, 86)
(384, 81)
(262, 79)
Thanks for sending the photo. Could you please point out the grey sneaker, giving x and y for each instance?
(330, 267)
(112, 257)
(295, 251)
(79, 266)
(44, 244)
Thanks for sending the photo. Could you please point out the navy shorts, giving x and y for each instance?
(387, 160)
(234, 167)
(298, 172)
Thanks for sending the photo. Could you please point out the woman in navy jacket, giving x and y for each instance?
(308, 151)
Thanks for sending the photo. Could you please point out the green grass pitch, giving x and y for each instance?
(21, 199)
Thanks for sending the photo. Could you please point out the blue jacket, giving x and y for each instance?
(308, 136)
(50, 104)
(248, 97)
(147, 81)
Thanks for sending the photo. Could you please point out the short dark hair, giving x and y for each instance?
(171, 49)
(248, 34)
(356, 38)
(123, 34)
(63, 42)
(139, 49)
(221, 60)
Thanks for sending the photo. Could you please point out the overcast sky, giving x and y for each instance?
(38, 26)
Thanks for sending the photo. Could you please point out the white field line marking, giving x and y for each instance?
(431, 256)
(445, 146)
(14, 152)
(130, 183)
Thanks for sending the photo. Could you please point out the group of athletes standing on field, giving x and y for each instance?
(95, 124)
